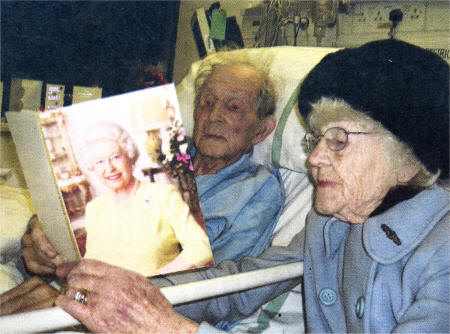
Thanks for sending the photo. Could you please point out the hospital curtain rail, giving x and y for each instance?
(55, 318)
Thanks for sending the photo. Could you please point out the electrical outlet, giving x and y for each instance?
(360, 19)
(370, 18)
(413, 17)
(373, 17)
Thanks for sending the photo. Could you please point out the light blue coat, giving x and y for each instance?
(397, 288)
(403, 288)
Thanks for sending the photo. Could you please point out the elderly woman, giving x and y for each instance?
(375, 247)
(131, 225)
(377, 241)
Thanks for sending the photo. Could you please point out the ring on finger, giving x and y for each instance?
(81, 296)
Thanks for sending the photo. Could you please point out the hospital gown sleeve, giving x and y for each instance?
(233, 307)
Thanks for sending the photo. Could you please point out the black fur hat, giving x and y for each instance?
(402, 86)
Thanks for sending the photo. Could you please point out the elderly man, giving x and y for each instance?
(233, 108)
(241, 202)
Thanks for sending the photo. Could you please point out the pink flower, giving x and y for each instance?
(183, 157)
(191, 168)
(181, 135)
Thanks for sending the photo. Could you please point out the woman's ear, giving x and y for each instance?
(406, 173)
(267, 125)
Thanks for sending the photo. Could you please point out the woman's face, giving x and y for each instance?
(351, 184)
(111, 165)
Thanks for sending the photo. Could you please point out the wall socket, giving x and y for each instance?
(373, 17)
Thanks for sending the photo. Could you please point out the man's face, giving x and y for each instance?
(226, 124)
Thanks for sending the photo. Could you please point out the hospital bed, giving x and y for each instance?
(282, 149)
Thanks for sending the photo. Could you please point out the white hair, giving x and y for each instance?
(328, 110)
(267, 96)
(111, 131)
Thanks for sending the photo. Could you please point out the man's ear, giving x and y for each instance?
(195, 113)
(267, 125)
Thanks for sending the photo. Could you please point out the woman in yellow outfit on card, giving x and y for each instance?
(137, 225)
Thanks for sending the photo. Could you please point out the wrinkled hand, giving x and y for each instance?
(38, 253)
(31, 295)
(118, 300)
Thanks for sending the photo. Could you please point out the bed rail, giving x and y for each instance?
(55, 318)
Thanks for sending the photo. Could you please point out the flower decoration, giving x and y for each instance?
(181, 135)
(183, 157)
(176, 160)
(174, 153)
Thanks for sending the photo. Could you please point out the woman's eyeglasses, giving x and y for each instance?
(335, 138)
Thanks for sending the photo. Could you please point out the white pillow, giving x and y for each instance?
(289, 65)
(16, 210)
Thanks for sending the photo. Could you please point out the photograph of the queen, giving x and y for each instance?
(137, 224)
(138, 216)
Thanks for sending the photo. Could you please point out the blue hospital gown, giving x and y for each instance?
(241, 205)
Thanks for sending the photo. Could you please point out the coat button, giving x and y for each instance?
(359, 307)
(327, 296)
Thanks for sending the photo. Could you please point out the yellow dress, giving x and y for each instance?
(146, 232)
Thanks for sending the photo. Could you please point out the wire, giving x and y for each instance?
(277, 16)
(296, 30)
